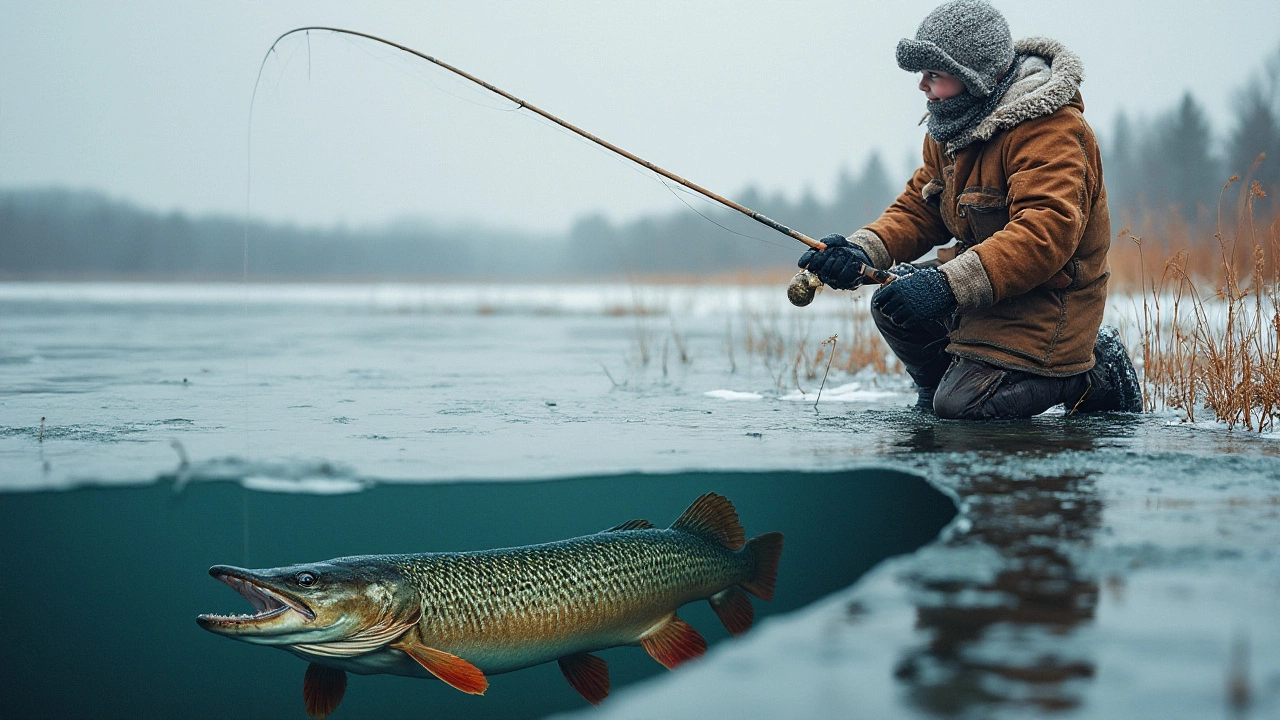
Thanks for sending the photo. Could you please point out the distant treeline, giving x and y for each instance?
(59, 234)
(1174, 162)
(1168, 165)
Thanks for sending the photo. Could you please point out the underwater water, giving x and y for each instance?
(112, 579)
(1112, 566)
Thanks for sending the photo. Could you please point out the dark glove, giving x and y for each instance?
(911, 299)
(840, 265)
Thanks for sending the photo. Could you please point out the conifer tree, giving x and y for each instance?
(1256, 132)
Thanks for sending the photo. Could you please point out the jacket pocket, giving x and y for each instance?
(1064, 279)
(986, 211)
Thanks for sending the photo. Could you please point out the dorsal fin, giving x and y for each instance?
(712, 516)
(631, 525)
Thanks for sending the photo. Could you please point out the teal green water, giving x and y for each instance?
(103, 585)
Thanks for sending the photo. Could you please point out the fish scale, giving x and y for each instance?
(579, 585)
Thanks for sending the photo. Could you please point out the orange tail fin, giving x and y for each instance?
(767, 550)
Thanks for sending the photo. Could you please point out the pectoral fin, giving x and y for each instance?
(450, 668)
(674, 642)
(322, 689)
(588, 674)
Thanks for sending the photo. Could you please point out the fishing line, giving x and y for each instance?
(244, 524)
(713, 222)
(244, 289)
(287, 62)
(695, 196)
(645, 173)
(648, 175)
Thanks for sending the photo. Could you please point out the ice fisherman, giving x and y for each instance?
(1008, 324)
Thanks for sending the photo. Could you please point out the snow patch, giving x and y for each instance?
(849, 392)
(733, 395)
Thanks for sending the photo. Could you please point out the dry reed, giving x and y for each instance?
(791, 354)
(1211, 330)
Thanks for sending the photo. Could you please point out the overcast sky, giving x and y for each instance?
(149, 101)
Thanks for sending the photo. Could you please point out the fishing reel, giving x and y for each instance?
(803, 287)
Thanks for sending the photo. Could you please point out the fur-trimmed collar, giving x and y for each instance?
(1049, 77)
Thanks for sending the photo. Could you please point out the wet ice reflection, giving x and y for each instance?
(1007, 635)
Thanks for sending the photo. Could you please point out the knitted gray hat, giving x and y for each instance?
(967, 38)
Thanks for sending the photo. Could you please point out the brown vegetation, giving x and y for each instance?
(792, 354)
(1210, 316)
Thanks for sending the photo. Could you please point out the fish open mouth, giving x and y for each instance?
(267, 602)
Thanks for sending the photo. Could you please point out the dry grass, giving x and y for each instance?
(793, 354)
(1210, 319)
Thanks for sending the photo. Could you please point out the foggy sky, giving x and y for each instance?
(148, 101)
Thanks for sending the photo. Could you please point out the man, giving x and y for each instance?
(1009, 325)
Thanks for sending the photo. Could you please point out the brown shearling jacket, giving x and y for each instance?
(1022, 193)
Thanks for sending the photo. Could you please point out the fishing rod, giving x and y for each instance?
(802, 287)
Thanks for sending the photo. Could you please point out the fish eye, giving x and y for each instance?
(305, 579)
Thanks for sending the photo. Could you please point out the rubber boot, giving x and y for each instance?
(1113, 383)
(924, 398)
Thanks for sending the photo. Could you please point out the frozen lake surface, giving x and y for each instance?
(326, 387)
(1105, 567)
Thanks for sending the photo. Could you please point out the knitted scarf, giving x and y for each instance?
(951, 117)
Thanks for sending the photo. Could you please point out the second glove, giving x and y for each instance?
(911, 299)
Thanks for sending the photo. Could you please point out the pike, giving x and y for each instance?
(461, 616)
